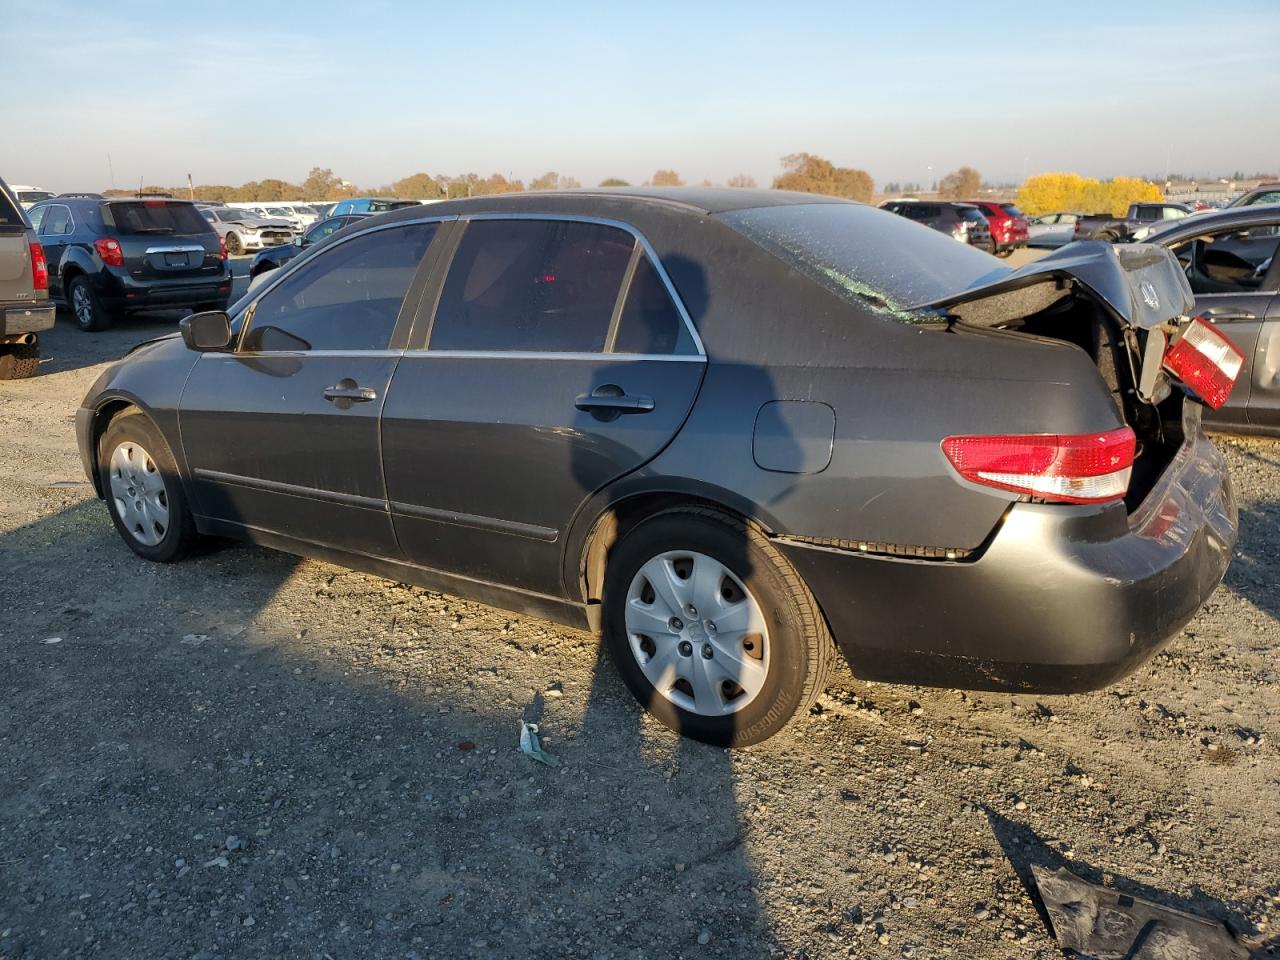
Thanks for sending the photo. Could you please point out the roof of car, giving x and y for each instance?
(1210, 220)
(694, 200)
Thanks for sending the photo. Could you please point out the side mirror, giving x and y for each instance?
(206, 331)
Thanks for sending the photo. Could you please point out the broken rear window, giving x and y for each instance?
(866, 255)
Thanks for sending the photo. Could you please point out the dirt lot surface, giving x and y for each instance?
(252, 755)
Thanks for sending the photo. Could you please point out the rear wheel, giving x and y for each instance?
(19, 360)
(144, 494)
(88, 310)
(1005, 253)
(712, 629)
(235, 246)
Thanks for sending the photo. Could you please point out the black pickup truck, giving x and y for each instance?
(1141, 219)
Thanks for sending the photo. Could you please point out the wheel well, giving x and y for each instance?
(69, 273)
(620, 517)
(101, 420)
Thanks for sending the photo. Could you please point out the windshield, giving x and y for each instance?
(867, 255)
(278, 212)
(33, 196)
(157, 216)
(1011, 210)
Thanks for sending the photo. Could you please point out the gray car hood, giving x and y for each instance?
(1142, 284)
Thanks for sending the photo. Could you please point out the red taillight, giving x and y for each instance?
(1206, 361)
(222, 248)
(39, 267)
(153, 203)
(109, 250)
(1080, 468)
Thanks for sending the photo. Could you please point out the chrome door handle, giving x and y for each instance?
(348, 390)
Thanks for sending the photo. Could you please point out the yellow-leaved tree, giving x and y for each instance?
(1050, 192)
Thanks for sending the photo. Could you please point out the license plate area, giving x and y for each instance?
(176, 260)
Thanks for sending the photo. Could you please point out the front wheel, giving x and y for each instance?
(235, 246)
(1004, 253)
(144, 494)
(712, 630)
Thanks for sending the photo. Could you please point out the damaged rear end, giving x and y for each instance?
(1113, 531)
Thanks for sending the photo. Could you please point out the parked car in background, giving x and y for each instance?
(243, 230)
(1229, 257)
(1137, 224)
(25, 307)
(1008, 225)
(370, 205)
(1263, 193)
(109, 257)
(720, 501)
(1052, 229)
(273, 257)
(28, 196)
(322, 209)
(960, 221)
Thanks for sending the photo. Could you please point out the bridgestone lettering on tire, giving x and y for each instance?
(712, 630)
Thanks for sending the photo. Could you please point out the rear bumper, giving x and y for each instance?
(130, 294)
(27, 317)
(1062, 599)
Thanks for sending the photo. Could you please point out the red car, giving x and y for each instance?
(1008, 225)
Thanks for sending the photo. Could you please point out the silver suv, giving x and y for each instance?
(25, 307)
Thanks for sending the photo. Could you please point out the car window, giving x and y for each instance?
(323, 229)
(864, 255)
(346, 298)
(156, 217)
(1066, 218)
(10, 215)
(1269, 196)
(1145, 214)
(1229, 261)
(1012, 210)
(57, 221)
(532, 285)
(1173, 213)
(650, 321)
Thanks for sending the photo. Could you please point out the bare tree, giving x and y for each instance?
(811, 174)
(742, 180)
(667, 178)
(960, 184)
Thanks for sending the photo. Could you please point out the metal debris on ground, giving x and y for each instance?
(529, 745)
(1106, 924)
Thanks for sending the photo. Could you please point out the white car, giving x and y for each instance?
(28, 195)
(243, 229)
(274, 211)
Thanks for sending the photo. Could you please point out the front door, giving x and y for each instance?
(558, 361)
(1232, 275)
(281, 434)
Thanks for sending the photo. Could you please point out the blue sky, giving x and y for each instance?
(238, 91)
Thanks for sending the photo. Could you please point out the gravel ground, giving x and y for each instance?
(252, 755)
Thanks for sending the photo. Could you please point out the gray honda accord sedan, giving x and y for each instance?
(731, 430)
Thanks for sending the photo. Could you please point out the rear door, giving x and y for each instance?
(558, 360)
(163, 239)
(55, 235)
(281, 434)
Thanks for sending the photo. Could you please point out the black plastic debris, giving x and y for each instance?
(1105, 924)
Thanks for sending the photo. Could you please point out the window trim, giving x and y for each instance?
(420, 342)
(413, 293)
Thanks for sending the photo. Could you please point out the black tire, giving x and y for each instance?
(801, 650)
(1108, 237)
(1004, 253)
(86, 307)
(179, 533)
(234, 246)
(19, 360)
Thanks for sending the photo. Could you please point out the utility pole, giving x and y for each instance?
(111, 170)
(191, 191)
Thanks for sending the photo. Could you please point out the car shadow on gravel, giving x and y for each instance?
(202, 765)
(1023, 848)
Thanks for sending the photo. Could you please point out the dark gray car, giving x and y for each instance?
(1230, 260)
(720, 426)
(25, 308)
